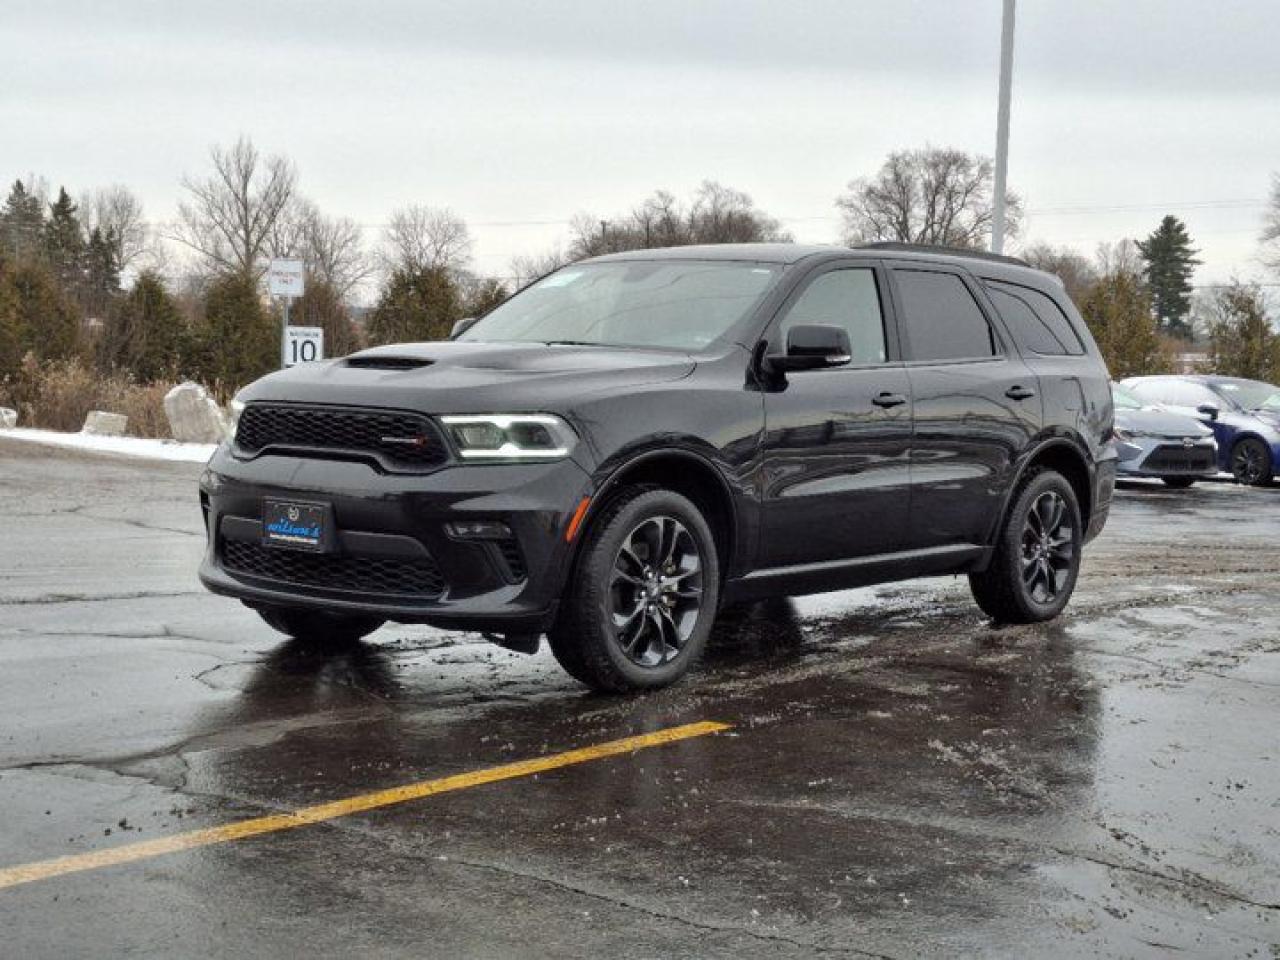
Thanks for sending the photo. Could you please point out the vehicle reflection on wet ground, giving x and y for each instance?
(902, 778)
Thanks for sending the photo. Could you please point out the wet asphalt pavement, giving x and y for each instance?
(900, 779)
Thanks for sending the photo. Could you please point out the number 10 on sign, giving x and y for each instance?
(303, 345)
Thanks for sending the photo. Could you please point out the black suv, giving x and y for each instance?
(634, 441)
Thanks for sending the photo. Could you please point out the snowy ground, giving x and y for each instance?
(127, 446)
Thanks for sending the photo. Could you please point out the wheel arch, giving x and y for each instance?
(682, 471)
(1064, 456)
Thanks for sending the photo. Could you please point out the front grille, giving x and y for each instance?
(419, 578)
(388, 435)
(1179, 459)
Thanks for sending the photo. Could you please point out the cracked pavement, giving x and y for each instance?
(902, 779)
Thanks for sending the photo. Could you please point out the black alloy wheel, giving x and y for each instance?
(1048, 548)
(656, 592)
(1036, 555)
(1251, 462)
(643, 594)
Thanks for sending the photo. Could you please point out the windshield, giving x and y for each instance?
(1250, 394)
(1124, 400)
(672, 304)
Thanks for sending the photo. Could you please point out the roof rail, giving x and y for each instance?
(945, 251)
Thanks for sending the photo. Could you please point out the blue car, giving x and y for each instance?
(1243, 414)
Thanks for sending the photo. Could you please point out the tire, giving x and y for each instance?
(1037, 557)
(318, 630)
(619, 627)
(1251, 462)
(1178, 483)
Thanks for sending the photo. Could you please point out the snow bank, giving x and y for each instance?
(127, 446)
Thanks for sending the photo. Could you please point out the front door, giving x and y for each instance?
(835, 481)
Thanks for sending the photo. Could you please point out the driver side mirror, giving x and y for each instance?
(462, 326)
(813, 346)
(1210, 410)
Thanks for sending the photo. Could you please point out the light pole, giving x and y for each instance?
(1002, 126)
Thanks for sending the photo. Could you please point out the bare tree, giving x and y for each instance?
(526, 269)
(334, 250)
(716, 214)
(1270, 238)
(116, 212)
(934, 195)
(1075, 271)
(419, 238)
(231, 219)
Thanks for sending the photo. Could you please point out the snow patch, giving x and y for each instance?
(125, 446)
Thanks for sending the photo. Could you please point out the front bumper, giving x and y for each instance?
(1167, 457)
(391, 555)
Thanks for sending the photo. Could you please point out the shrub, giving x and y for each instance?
(58, 394)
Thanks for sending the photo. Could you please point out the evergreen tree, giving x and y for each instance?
(482, 296)
(1242, 340)
(144, 331)
(1169, 263)
(21, 222)
(1118, 312)
(101, 271)
(416, 305)
(64, 245)
(12, 334)
(321, 306)
(47, 322)
(238, 339)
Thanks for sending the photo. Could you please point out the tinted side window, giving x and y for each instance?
(1035, 320)
(941, 319)
(848, 299)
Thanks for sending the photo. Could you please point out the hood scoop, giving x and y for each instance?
(383, 362)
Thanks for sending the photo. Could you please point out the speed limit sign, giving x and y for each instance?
(303, 345)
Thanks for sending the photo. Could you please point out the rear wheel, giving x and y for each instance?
(1178, 483)
(1037, 555)
(643, 597)
(317, 629)
(1251, 462)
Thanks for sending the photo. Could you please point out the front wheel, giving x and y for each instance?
(1251, 462)
(1037, 556)
(317, 629)
(640, 605)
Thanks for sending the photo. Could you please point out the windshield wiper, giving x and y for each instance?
(573, 343)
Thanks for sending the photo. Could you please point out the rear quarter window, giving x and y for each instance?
(1036, 322)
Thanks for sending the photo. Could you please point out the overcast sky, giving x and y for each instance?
(521, 113)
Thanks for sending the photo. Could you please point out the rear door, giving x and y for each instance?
(976, 405)
(835, 471)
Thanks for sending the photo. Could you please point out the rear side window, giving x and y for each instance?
(941, 319)
(1036, 322)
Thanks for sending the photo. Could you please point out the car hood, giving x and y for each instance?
(1160, 422)
(467, 377)
(1270, 417)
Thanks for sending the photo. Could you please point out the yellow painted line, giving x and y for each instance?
(143, 850)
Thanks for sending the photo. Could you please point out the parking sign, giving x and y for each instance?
(285, 278)
(303, 345)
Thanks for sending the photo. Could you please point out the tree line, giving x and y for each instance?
(87, 279)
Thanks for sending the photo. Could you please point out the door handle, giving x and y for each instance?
(887, 400)
(1019, 393)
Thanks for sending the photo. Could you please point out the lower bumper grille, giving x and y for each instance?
(419, 578)
(1179, 459)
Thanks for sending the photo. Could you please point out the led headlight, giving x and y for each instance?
(510, 436)
(1132, 434)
